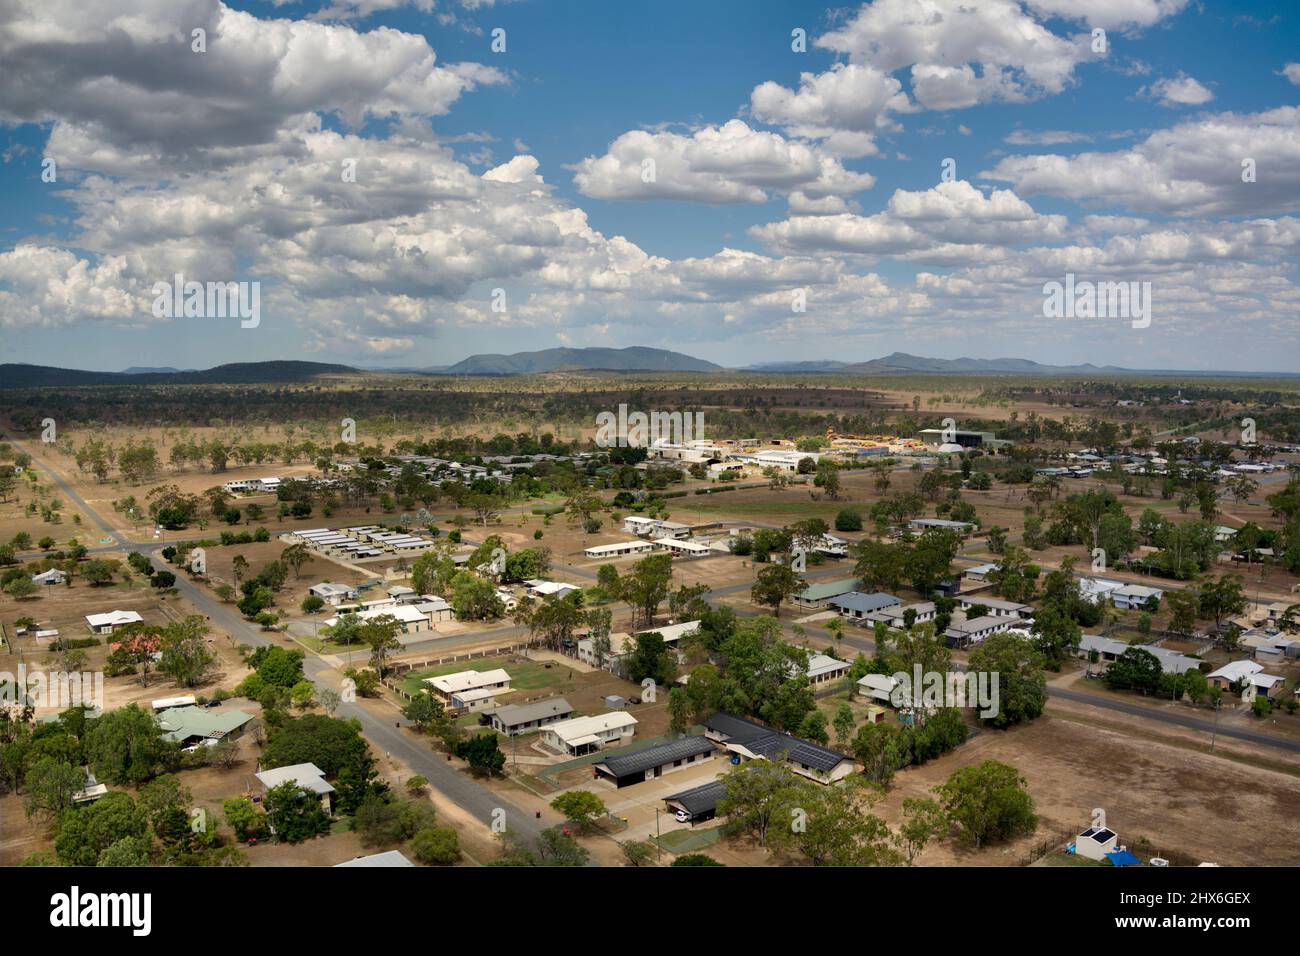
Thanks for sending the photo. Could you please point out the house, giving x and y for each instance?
(436, 609)
(754, 741)
(626, 769)
(997, 608)
(896, 616)
(387, 858)
(470, 690)
(966, 633)
(1224, 533)
(539, 588)
(856, 605)
(1095, 842)
(925, 524)
(252, 486)
(817, 596)
(619, 643)
(673, 633)
(1108, 650)
(1096, 590)
(408, 617)
(515, 719)
(878, 687)
(832, 546)
(824, 669)
(780, 460)
(584, 735)
(308, 776)
(980, 573)
(333, 594)
(698, 803)
(683, 549)
(198, 726)
(110, 621)
(1250, 676)
(655, 527)
(91, 792)
(50, 577)
(619, 549)
(1134, 597)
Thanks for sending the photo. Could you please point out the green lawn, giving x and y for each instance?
(687, 840)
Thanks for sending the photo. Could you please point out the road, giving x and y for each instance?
(475, 799)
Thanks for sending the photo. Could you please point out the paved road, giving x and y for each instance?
(473, 798)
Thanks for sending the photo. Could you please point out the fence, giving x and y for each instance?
(406, 666)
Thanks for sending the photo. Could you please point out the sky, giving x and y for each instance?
(409, 182)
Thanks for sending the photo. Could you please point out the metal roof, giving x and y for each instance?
(698, 800)
(625, 765)
(766, 742)
(865, 602)
(512, 715)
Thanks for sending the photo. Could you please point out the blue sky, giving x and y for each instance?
(778, 176)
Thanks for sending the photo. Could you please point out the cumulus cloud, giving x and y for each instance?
(1192, 169)
(960, 53)
(1181, 90)
(847, 97)
(1110, 13)
(727, 164)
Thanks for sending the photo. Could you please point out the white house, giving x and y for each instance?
(683, 549)
(515, 719)
(823, 669)
(110, 621)
(619, 549)
(997, 608)
(1134, 597)
(539, 588)
(1095, 842)
(409, 617)
(584, 735)
(878, 687)
(979, 573)
(1096, 590)
(1251, 675)
(308, 776)
(470, 690)
(52, 576)
(333, 594)
(966, 633)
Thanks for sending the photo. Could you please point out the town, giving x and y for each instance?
(552, 649)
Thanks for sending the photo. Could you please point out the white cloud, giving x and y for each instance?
(1110, 13)
(847, 97)
(1192, 169)
(726, 164)
(1181, 90)
(1292, 72)
(961, 53)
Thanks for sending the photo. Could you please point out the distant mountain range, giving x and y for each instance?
(902, 362)
(634, 359)
(238, 373)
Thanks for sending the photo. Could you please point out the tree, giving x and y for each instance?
(166, 804)
(646, 585)
(988, 803)
(774, 585)
(880, 748)
(436, 846)
(651, 658)
(246, 818)
(1021, 686)
(294, 814)
(483, 754)
(51, 784)
(637, 852)
(424, 711)
(185, 655)
(1184, 608)
(1221, 598)
(844, 724)
(83, 833)
(759, 796)
(1136, 669)
(21, 587)
(581, 808)
(834, 829)
(924, 821)
(335, 746)
(126, 746)
(381, 820)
